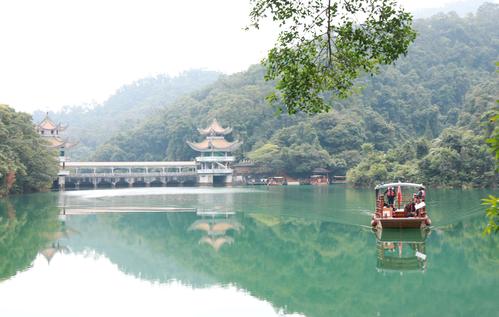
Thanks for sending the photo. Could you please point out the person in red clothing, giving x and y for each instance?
(390, 195)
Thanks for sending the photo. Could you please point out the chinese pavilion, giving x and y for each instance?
(215, 158)
(50, 132)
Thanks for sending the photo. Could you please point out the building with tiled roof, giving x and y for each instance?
(49, 130)
(215, 155)
(214, 144)
(215, 129)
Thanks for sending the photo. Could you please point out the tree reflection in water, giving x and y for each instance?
(308, 266)
(27, 225)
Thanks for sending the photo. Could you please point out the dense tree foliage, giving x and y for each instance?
(323, 47)
(423, 116)
(26, 162)
(457, 158)
(91, 125)
(492, 202)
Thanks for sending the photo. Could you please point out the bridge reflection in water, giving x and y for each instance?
(126, 174)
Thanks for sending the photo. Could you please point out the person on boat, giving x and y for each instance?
(410, 209)
(421, 194)
(390, 195)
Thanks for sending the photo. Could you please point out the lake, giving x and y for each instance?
(242, 251)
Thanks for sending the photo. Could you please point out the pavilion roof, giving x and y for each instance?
(48, 124)
(218, 144)
(215, 129)
(56, 141)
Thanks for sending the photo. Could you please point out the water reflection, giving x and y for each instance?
(401, 250)
(299, 251)
(56, 239)
(26, 228)
(216, 227)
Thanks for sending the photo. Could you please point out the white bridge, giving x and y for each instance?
(126, 174)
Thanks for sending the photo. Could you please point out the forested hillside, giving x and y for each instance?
(92, 125)
(422, 119)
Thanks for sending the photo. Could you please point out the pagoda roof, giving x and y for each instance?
(56, 141)
(215, 129)
(214, 144)
(48, 124)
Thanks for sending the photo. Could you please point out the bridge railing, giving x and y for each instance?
(125, 175)
(215, 171)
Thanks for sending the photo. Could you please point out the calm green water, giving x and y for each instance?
(301, 251)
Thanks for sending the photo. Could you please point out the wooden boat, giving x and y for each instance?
(276, 181)
(256, 181)
(404, 213)
(319, 180)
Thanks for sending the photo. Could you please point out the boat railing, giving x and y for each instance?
(380, 204)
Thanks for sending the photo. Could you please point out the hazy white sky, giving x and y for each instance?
(59, 52)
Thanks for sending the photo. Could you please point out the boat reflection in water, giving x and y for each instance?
(216, 226)
(401, 250)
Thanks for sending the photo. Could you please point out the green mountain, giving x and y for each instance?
(92, 125)
(422, 119)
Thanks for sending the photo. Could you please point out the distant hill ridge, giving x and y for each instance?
(126, 107)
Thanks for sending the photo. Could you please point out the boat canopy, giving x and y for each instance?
(381, 186)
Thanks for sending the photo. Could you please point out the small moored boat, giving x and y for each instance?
(404, 213)
(319, 180)
(276, 181)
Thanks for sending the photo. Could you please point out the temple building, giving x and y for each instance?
(214, 162)
(50, 132)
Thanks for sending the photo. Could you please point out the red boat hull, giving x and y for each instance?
(410, 222)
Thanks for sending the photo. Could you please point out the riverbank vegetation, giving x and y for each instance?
(26, 163)
(492, 202)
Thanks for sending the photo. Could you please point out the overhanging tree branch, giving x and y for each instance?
(328, 52)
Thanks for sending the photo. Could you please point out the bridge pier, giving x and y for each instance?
(62, 182)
